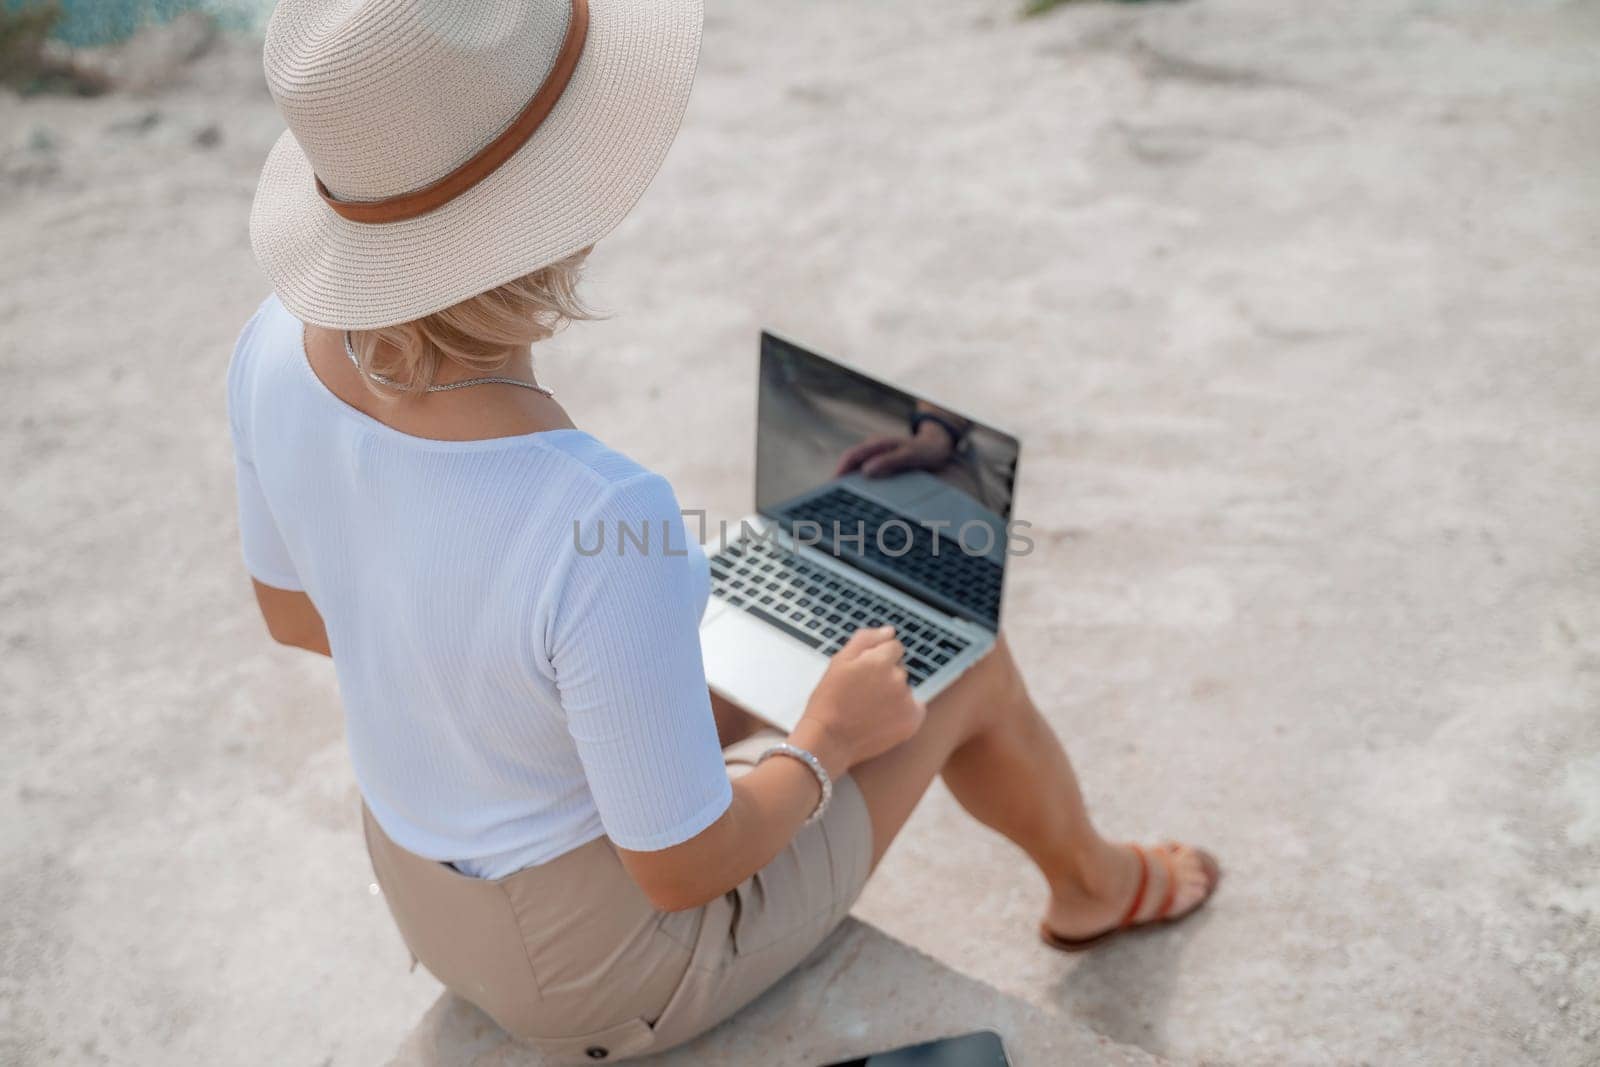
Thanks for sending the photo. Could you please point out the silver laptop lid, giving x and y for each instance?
(911, 491)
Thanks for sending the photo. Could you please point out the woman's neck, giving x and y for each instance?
(480, 412)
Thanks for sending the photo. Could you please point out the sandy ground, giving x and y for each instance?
(1294, 309)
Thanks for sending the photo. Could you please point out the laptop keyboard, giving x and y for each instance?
(821, 608)
(968, 580)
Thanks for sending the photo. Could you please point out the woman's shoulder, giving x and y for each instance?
(583, 498)
(270, 336)
(270, 327)
(614, 481)
(590, 458)
(269, 341)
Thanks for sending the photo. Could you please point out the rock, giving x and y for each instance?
(141, 123)
(208, 136)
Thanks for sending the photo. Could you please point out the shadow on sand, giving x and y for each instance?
(1123, 988)
(862, 991)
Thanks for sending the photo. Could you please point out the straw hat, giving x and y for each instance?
(439, 148)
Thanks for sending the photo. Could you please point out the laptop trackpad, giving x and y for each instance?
(759, 668)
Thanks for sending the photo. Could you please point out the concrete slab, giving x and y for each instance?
(862, 992)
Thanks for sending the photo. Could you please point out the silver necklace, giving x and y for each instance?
(384, 379)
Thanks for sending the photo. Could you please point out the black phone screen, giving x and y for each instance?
(981, 1049)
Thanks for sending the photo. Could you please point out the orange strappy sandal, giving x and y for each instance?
(1165, 852)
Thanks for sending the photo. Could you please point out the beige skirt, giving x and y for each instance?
(571, 958)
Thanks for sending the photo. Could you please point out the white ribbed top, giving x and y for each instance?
(509, 692)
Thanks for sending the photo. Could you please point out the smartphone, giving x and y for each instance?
(980, 1049)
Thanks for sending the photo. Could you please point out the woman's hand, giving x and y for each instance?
(929, 449)
(863, 706)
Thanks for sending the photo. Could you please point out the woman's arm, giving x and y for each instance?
(862, 707)
(292, 619)
(933, 438)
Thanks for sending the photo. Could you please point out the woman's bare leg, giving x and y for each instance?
(1007, 768)
(733, 722)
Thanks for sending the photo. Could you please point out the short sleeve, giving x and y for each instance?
(265, 555)
(624, 645)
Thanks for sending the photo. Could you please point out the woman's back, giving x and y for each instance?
(472, 623)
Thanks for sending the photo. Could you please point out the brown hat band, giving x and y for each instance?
(493, 154)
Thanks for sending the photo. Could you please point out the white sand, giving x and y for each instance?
(1294, 307)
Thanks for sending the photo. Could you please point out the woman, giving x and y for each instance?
(558, 832)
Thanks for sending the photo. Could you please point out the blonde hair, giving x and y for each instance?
(481, 334)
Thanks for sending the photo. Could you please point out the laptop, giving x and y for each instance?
(852, 530)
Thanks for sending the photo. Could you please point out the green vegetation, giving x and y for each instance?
(22, 36)
(25, 63)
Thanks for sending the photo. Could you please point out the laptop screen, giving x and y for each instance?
(910, 491)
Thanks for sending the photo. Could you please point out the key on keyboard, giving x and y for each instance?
(821, 609)
(850, 524)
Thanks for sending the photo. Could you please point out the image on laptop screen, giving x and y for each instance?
(914, 493)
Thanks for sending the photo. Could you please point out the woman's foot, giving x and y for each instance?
(1135, 885)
